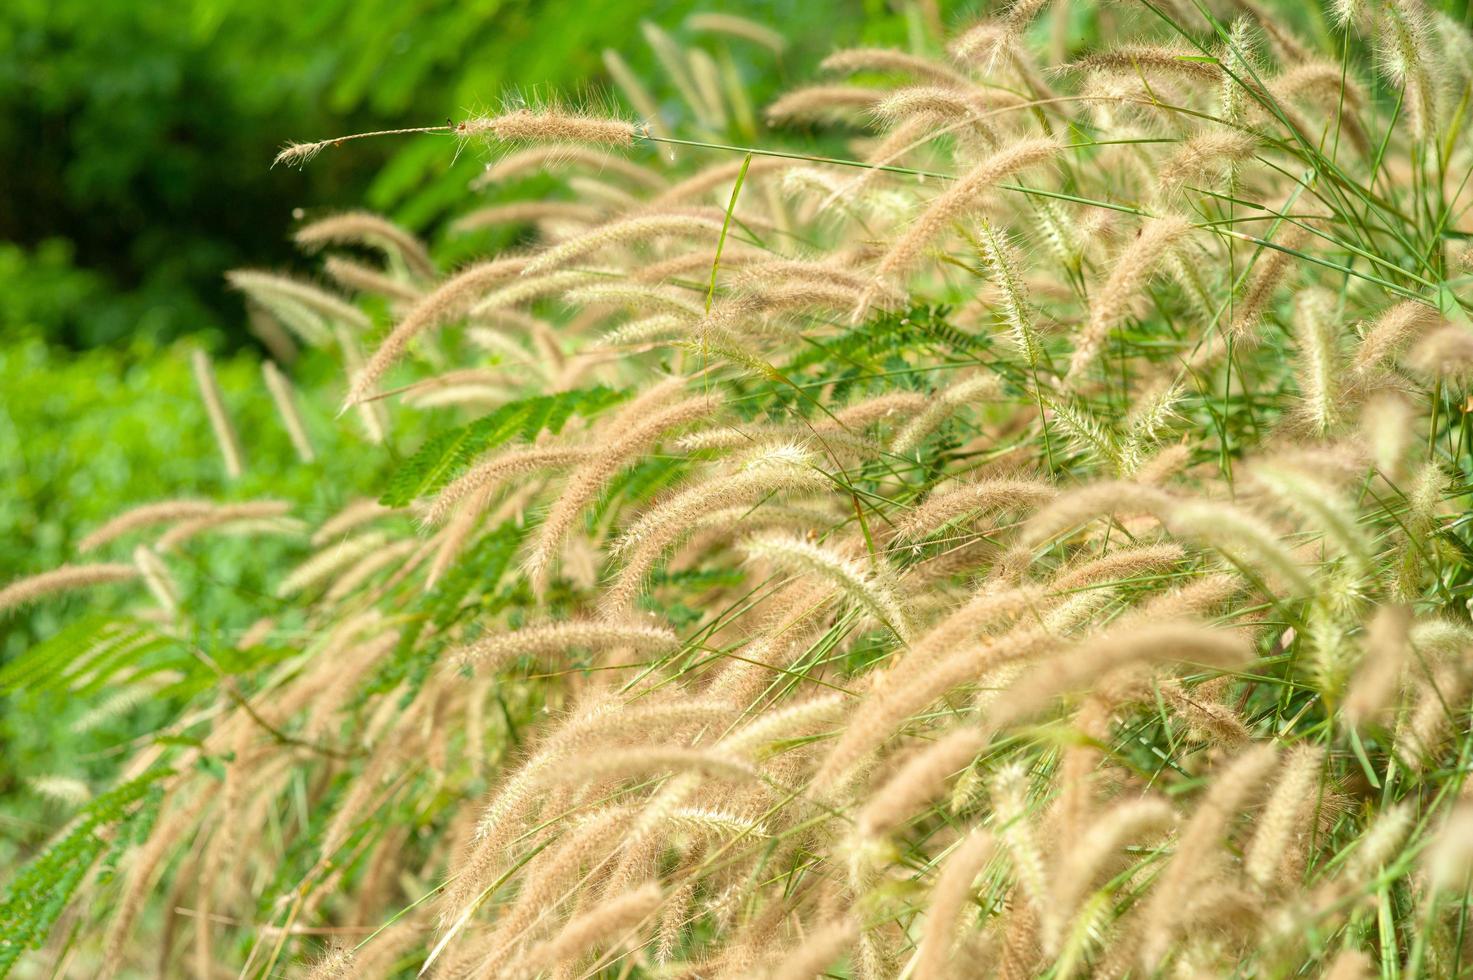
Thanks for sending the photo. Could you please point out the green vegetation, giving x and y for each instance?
(991, 500)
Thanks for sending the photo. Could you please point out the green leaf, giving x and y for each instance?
(470, 587)
(41, 889)
(447, 455)
(80, 649)
(736, 191)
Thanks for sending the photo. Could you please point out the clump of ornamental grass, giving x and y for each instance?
(1006, 522)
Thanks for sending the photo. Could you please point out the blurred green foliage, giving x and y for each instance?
(84, 435)
(136, 138)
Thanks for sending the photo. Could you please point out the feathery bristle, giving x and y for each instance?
(448, 300)
(604, 924)
(225, 435)
(365, 278)
(817, 952)
(960, 200)
(1241, 536)
(819, 103)
(1449, 861)
(1268, 274)
(222, 517)
(972, 499)
(535, 159)
(364, 228)
(1319, 358)
(1124, 646)
(301, 154)
(853, 60)
(64, 579)
(1137, 59)
(286, 407)
(588, 480)
(868, 589)
(551, 125)
(1001, 259)
(1289, 813)
(1088, 858)
(361, 511)
(733, 25)
(918, 782)
(1190, 864)
(539, 641)
(1131, 270)
(948, 898)
(621, 232)
(268, 287)
(527, 212)
(779, 469)
(1446, 352)
(146, 515)
(1203, 157)
(491, 472)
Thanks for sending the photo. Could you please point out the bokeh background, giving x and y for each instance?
(136, 138)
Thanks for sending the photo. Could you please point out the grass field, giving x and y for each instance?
(992, 504)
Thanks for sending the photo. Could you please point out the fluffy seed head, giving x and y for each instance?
(1446, 352)
(64, 579)
(540, 641)
(146, 515)
(225, 435)
(868, 589)
(448, 300)
(365, 228)
(551, 125)
(961, 199)
(622, 232)
(1131, 270)
(819, 103)
(854, 60)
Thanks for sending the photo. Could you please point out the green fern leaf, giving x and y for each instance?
(447, 455)
(40, 891)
